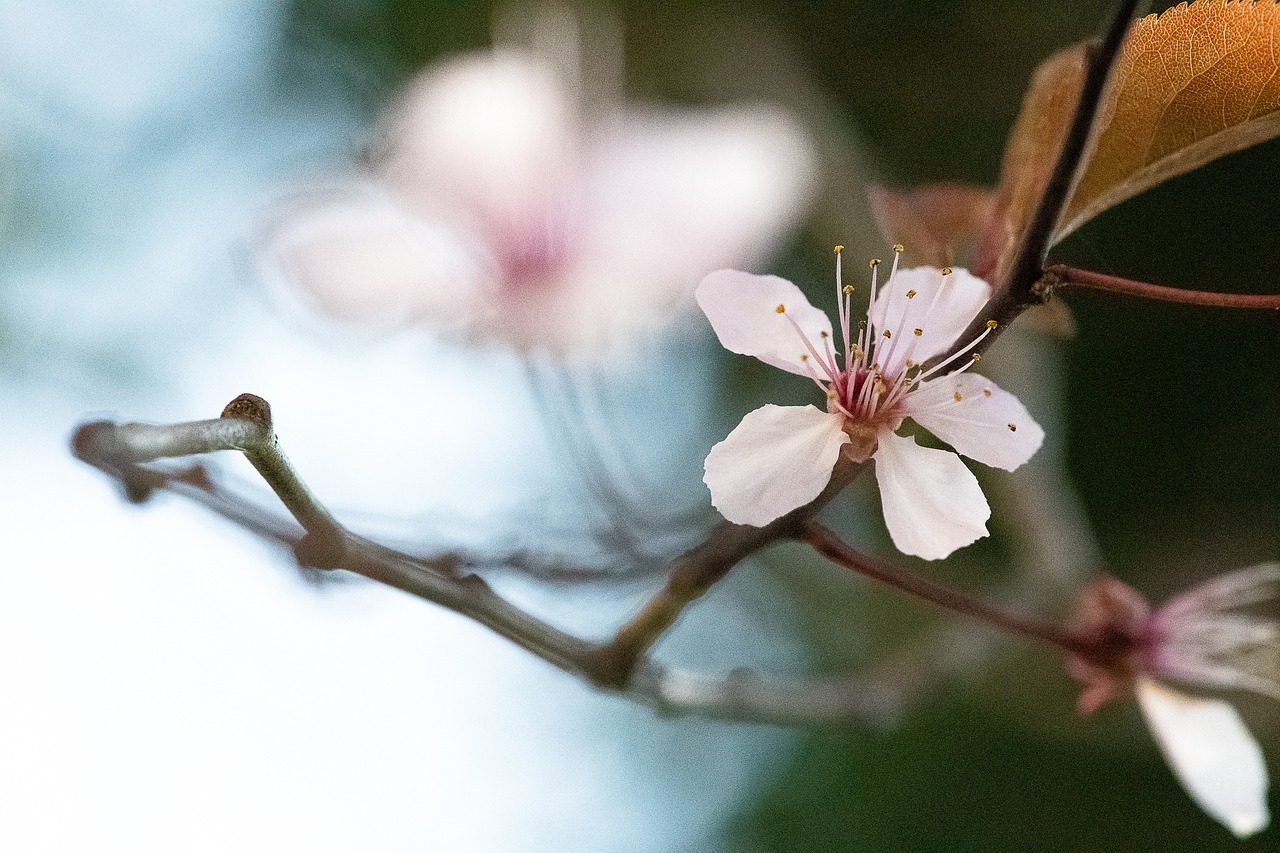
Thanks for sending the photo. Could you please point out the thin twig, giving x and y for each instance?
(123, 451)
(246, 426)
(1060, 276)
(831, 546)
(564, 409)
(700, 568)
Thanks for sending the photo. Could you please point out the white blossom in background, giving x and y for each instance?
(501, 205)
(781, 457)
(1204, 637)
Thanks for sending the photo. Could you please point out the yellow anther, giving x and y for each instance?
(958, 397)
(986, 392)
(862, 324)
(1013, 427)
(991, 324)
(781, 309)
(875, 262)
(977, 356)
(911, 294)
(917, 332)
(804, 356)
(823, 335)
(888, 334)
(946, 270)
(910, 364)
(899, 248)
(839, 249)
(848, 288)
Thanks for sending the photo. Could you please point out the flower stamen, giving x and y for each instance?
(830, 369)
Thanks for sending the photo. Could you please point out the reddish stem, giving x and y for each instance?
(831, 546)
(1062, 275)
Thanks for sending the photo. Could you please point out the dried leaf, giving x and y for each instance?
(934, 222)
(1195, 83)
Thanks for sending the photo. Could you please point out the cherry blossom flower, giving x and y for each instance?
(781, 457)
(501, 205)
(1205, 637)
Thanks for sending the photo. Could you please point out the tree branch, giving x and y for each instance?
(701, 567)
(124, 451)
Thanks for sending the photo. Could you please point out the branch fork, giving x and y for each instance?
(126, 451)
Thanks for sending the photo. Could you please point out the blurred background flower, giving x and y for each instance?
(173, 684)
(505, 199)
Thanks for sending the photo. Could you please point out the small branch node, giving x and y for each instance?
(1043, 289)
(94, 441)
(252, 408)
(320, 550)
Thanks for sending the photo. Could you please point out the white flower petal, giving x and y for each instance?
(1241, 588)
(1211, 752)
(940, 322)
(675, 195)
(490, 134)
(743, 309)
(932, 502)
(777, 459)
(359, 258)
(977, 418)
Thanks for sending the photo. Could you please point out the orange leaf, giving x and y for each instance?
(1195, 83)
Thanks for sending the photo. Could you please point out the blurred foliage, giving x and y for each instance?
(396, 36)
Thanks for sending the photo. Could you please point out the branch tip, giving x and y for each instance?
(249, 407)
(92, 440)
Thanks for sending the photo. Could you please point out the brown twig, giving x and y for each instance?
(700, 568)
(125, 451)
(1061, 276)
(831, 546)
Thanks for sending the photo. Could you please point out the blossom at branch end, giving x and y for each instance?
(1208, 638)
(781, 457)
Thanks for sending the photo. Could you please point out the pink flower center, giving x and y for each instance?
(876, 373)
(535, 247)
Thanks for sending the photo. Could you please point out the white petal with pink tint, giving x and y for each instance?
(360, 259)
(940, 322)
(977, 418)
(777, 459)
(743, 309)
(1212, 754)
(678, 194)
(493, 132)
(932, 503)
